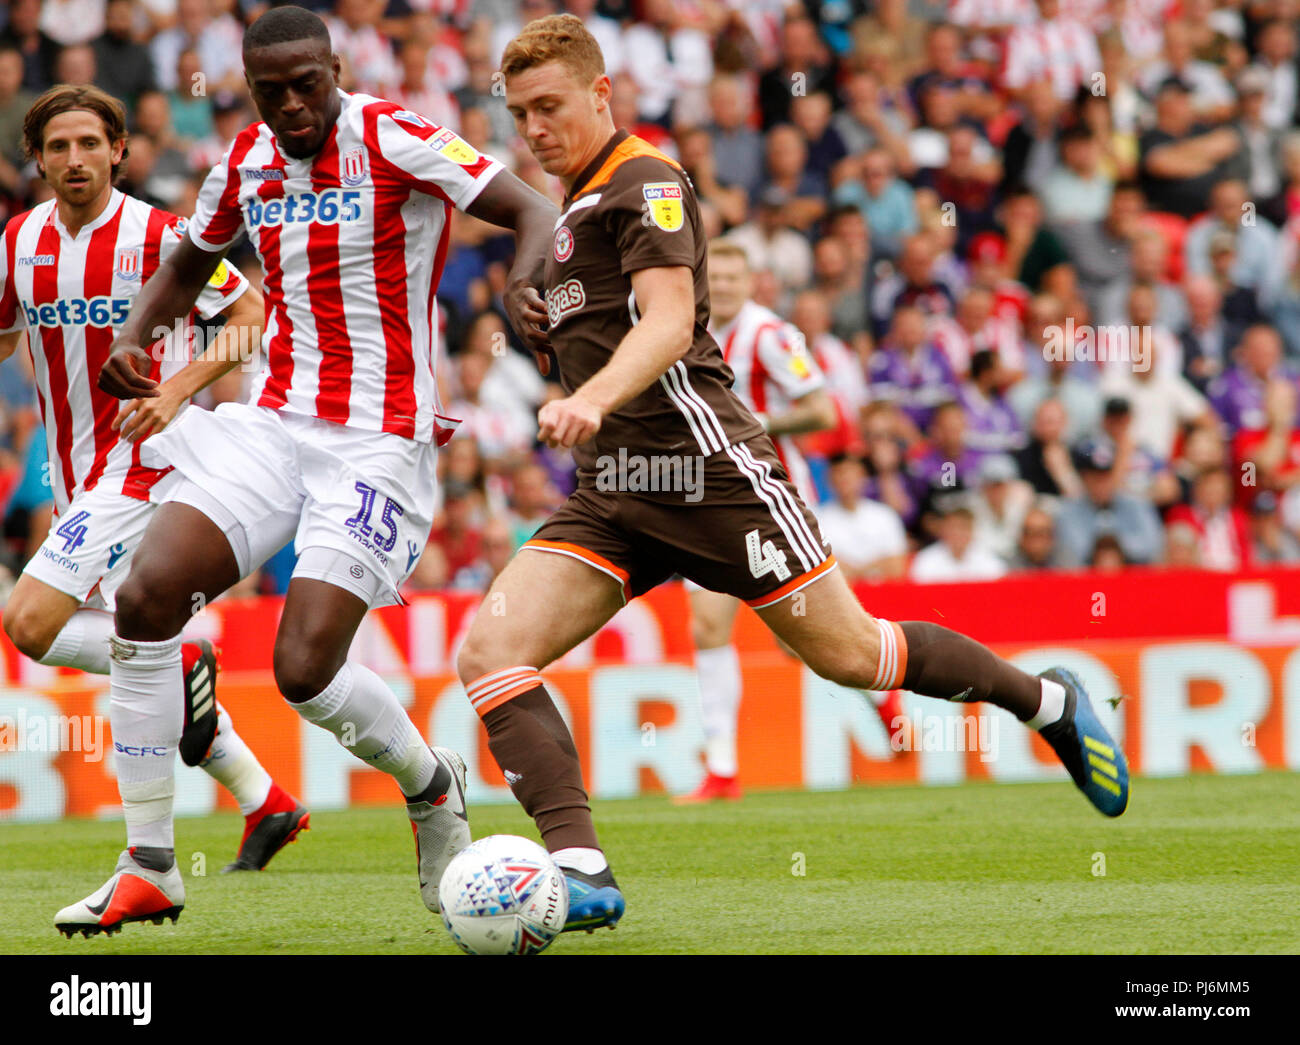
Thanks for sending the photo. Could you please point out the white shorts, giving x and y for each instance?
(92, 543)
(265, 477)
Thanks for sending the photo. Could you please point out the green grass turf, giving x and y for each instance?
(1203, 864)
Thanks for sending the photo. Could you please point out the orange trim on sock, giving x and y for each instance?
(901, 639)
(509, 694)
(790, 587)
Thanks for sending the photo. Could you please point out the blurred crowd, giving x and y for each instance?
(1047, 251)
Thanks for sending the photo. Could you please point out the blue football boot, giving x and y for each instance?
(1081, 742)
(594, 900)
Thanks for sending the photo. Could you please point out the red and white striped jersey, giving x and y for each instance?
(353, 242)
(991, 14)
(773, 368)
(1062, 51)
(72, 293)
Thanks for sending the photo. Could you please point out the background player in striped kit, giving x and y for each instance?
(68, 271)
(346, 199)
(778, 379)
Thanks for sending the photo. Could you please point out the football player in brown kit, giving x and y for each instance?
(648, 392)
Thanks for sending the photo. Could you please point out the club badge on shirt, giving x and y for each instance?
(129, 263)
(354, 167)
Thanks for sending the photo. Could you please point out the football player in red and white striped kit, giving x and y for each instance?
(69, 269)
(778, 379)
(346, 199)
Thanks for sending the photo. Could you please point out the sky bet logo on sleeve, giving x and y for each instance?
(665, 201)
(330, 207)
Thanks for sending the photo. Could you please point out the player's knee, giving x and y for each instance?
(146, 611)
(300, 673)
(31, 635)
(474, 660)
(709, 634)
(846, 663)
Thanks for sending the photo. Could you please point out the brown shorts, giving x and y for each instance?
(738, 526)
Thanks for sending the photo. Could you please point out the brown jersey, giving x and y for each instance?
(635, 208)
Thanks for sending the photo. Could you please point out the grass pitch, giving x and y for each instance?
(1202, 864)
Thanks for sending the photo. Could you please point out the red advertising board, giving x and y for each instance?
(1196, 671)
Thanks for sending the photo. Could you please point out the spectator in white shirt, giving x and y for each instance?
(1276, 48)
(369, 54)
(1161, 401)
(1000, 507)
(1212, 98)
(867, 536)
(956, 556)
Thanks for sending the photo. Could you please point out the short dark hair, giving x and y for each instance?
(1076, 132)
(981, 362)
(282, 25)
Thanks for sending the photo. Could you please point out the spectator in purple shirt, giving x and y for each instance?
(946, 463)
(888, 480)
(910, 370)
(1237, 394)
(994, 427)
(915, 284)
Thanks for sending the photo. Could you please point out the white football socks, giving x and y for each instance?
(232, 765)
(1052, 707)
(581, 858)
(83, 642)
(363, 713)
(147, 716)
(719, 676)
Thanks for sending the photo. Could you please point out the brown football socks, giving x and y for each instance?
(940, 662)
(535, 751)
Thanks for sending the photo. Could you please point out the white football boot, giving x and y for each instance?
(133, 894)
(441, 827)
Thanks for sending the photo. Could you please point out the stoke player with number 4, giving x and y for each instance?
(347, 200)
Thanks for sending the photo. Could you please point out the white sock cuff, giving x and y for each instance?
(719, 656)
(327, 703)
(581, 858)
(130, 652)
(66, 643)
(1052, 706)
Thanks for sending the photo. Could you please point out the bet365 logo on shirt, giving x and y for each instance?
(79, 312)
(330, 207)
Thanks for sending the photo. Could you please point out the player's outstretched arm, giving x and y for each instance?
(169, 295)
(141, 418)
(814, 412)
(665, 299)
(510, 204)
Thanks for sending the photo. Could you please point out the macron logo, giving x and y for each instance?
(102, 999)
(261, 174)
